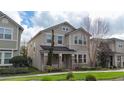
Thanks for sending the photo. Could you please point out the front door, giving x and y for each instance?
(66, 61)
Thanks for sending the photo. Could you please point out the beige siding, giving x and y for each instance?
(8, 44)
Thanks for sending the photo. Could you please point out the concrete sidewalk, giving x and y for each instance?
(58, 73)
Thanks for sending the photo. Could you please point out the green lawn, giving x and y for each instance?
(77, 76)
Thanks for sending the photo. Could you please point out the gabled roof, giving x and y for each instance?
(52, 27)
(79, 29)
(12, 20)
(57, 48)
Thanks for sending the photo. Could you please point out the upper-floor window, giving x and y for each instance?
(60, 39)
(5, 33)
(120, 45)
(65, 28)
(80, 40)
(49, 38)
(76, 40)
(84, 40)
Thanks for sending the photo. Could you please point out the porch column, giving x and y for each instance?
(60, 60)
(72, 56)
(121, 61)
(45, 59)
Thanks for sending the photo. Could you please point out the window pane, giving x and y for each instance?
(80, 41)
(49, 38)
(7, 55)
(84, 58)
(1, 36)
(59, 39)
(8, 31)
(75, 58)
(75, 40)
(1, 30)
(7, 36)
(6, 61)
(80, 58)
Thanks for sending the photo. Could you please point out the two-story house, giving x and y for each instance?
(117, 47)
(10, 35)
(70, 47)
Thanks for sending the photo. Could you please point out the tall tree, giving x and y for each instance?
(98, 28)
(50, 54)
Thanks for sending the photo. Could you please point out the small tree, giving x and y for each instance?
(50, 54)
(103, 54)
(23, 50)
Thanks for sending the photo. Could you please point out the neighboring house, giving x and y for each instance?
(10, 35)
(117, 49)
(70, 50)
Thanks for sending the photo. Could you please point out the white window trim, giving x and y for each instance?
(4, 33)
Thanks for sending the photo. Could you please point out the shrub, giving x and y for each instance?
(21, 70)
(69, 76)
(90, 78)
(14, 70)
(19, 61)
(53, 69)
(29, 60)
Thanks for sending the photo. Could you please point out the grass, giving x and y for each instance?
(77, 76)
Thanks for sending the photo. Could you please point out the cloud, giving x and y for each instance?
(28, 33)
(43, 19)
(15, 15)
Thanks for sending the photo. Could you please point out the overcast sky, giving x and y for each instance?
(34, 21)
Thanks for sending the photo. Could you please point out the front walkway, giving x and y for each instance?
(10, 77)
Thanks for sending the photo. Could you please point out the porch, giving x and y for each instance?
(62, 57)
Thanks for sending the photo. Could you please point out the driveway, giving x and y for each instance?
(57, 73)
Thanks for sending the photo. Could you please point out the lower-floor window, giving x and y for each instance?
(5, 57)
(84, 58)
(80, 58)
(75, 58)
